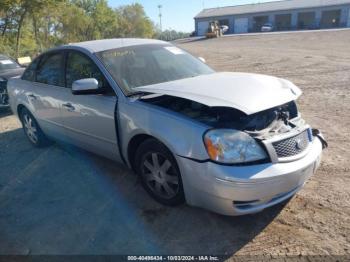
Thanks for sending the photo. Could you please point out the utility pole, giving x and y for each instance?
(160, 17)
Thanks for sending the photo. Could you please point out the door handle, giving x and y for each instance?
(69, 107)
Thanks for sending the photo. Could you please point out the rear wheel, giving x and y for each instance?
(32, 129)
(159, 173)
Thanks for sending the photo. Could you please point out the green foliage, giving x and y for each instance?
(134, 22)
(107, 26)
(31, 26)
(171, 35)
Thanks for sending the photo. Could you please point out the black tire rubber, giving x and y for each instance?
(43, 141)
(153, 145)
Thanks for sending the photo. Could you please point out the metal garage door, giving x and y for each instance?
(202, 28)
(241, 25)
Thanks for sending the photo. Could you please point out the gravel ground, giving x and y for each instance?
(61, 200)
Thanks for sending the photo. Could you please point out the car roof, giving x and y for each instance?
(3, 57)
(108, 44)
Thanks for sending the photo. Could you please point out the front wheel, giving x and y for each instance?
(159, 173)
(32, 129)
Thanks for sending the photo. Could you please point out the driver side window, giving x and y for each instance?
(79, 67)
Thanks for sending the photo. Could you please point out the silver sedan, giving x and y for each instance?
(233, 143)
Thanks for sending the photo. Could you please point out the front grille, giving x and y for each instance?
(292, 146)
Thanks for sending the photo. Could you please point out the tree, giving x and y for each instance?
(170, 35)
(134, 22)
(6, 14)
(15, 14)
(107, 26)
(31, 26)
(45, 22)
(18, 9)
(87, 5)
(75, 25)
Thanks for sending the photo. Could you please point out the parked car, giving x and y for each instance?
(233, 143)
(224, 28)
(267, 27)
(8, 68)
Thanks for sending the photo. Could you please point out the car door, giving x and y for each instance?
(46, 94)
(89, 119)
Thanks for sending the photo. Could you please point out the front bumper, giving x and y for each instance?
(240, 190)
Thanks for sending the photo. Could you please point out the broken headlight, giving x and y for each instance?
(232, 147)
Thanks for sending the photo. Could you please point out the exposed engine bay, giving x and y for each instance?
(280, 119)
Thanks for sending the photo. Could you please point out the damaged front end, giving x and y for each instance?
(279, 131)
(280, 119)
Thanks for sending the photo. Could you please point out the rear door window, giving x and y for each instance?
(29, 73)
(49, 70)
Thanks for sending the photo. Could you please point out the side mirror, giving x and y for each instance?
(86, 86)
(202, 59)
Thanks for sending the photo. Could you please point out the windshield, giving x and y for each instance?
(136, 66)
(7, 63)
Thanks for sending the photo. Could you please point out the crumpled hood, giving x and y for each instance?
(249, 93)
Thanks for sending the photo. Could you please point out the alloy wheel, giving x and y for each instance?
(30, 128)
(160, 175)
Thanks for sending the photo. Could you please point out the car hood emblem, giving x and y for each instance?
(298, 144)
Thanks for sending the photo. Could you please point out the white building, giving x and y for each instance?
(282, 15)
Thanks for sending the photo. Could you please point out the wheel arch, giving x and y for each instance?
(137, 140)
(133, 145)
(20, 107)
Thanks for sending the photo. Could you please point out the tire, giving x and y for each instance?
(159, 173)
(32, 129)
